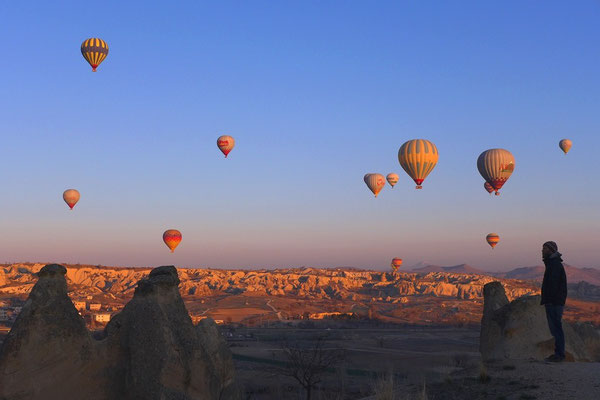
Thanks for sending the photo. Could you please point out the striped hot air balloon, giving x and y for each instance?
(565, 145)
(492, 239)
(94, 50)
(488, 187)
(496, 166)
(375, 182)
(418, 157)
(71, 197)
(396, 263)
(172, 238)
(225, 144)
(392, 178)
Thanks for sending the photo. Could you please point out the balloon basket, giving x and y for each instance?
(497, 194)
(418, 187)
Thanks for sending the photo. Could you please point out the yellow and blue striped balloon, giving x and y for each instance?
(418, 157)
(94, 50)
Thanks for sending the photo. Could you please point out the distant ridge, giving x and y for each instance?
(536, 273)
(457, 269)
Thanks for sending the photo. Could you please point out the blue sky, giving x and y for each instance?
(316, 94)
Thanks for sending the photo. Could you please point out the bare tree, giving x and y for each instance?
(308, 364)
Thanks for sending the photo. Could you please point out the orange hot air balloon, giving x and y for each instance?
(375, 182)
(488, 187)
(396, 263)
(225, 144)
(392, 178)
(172, 238)
(492, 239)
(71, 197)
(565, 145)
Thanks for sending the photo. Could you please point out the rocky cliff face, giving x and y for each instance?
(305, 282)
(151, 350)
(519, 330)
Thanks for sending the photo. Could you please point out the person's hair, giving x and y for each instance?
(550, 245)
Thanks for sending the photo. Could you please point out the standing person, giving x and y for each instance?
(554, 295)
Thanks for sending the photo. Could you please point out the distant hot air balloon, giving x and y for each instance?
(225, 144)
(565, 145)
(172, 238)
(488, 187)
(392, 178)
(94, 50)
(71, 197)
(492, 239)
(375, 182)
(396, 263)
(418, 157)
(496, 166)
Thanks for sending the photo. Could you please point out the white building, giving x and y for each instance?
(95, 306)
(79, 305)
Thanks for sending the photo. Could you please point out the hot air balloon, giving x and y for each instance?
(565, 145)
(71, 197)
(225, 144)
(375, 182)
(94, 50)
(172, 238)
(418, 157)
(392, 178)
(488, 187)
(492, 239)
(396, 263)
(496, 166)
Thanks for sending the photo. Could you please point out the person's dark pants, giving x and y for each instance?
(554, 316)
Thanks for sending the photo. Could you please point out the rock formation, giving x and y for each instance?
(519, 330)
(300, 282)
(150, 351)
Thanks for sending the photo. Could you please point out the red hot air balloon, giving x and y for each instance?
(396, 263)
(172, 238)
(225, 144)
(492, 239)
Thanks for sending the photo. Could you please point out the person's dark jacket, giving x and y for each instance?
(554, 286)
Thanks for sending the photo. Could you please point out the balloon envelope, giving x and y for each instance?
(225, 144)
(396, 263)
(565, 145)
(71, 197)
(418, 157)
(392, 178)
(375, 182)
(496, 166)
(492, 239)
(172, 238)
(94, 50)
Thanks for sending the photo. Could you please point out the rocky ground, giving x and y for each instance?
(516, 380)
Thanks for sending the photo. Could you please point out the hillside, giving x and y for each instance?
(257, 297)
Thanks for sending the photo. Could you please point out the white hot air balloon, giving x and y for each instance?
(392, 179)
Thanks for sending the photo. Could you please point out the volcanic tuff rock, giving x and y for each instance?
(302, 282)
(151, 350)
(519, 330)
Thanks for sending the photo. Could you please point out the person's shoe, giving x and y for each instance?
(554, 358)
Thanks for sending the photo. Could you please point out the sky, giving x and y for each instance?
(316, 94)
